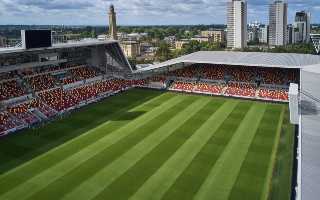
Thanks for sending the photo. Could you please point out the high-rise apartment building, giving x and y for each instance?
(278, 14)
(237, 24)
(263, 34)
(302, 26)
(290, 34)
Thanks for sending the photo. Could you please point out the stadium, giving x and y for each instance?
(79, 122)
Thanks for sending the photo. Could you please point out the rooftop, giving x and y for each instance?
(70, 44)
(257, 59)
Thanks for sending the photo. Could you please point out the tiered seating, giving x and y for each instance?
(6, 123)
(36, 103)
(209, 88)
(61, 100)
(58, 99)
(57, 68)
(22, 113)
(188, 72)
(213, 72)
(241, 89)
(41, 82)
(90, 91)
(191, 79)
(10, 89)
(83, 73)
(87, 92)
(157, 79)
(69, 80)
(274, 94)
(272, 76)
(136, 82)
(242, 74)
(183, 86)
(292, 77)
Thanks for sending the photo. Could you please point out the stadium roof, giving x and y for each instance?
(82, 43)
(310, 134)
(309, 181)
(112, 48)
(312, 68)
(258, 59)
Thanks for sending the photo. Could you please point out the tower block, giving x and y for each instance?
(112, 23)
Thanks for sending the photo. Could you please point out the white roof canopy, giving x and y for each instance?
(258, 59)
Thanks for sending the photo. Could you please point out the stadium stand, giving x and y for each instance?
(209, 88)
(22, 113)
(241, 89)
(10, 89)
(41, 82)
(83, 72)
(183, 86)
(54, 92)
(274, 94)
(7, 123)
(213, 72)
(238, 81)
(58, 99)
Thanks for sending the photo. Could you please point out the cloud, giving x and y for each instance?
(138, 12)
(50, 4)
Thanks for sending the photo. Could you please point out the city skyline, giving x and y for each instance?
(139, 12)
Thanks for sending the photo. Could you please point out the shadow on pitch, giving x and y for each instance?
(21, 147)
(128, 116)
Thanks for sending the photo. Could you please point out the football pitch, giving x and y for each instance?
(145, 144)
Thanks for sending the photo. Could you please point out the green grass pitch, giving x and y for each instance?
(145, 144)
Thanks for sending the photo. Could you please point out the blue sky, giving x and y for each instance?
(138, 12)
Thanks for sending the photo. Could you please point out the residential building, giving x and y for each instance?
(181, 43)
(263, 34)
(131, 48)
(237, 24)
(201, 39)
(217, 36)
(170, 40)
(291, 34)
(302, 25)
(278, 14)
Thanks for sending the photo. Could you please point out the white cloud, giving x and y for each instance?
(136, 12)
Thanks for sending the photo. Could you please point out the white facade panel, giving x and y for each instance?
(294, 103)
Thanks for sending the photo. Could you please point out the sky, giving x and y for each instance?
(138, 12)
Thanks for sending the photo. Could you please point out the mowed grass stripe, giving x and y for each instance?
(68, 128)
(254, 171)
(189, 182)
(224, 173)
(148, 165)
(268, 183)
(52, 173)
(20, 143)
(281, 174)
(80, 174)
(156, 186)
(29, 169)
(106, 176)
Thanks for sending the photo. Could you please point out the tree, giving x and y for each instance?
(164, 52)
